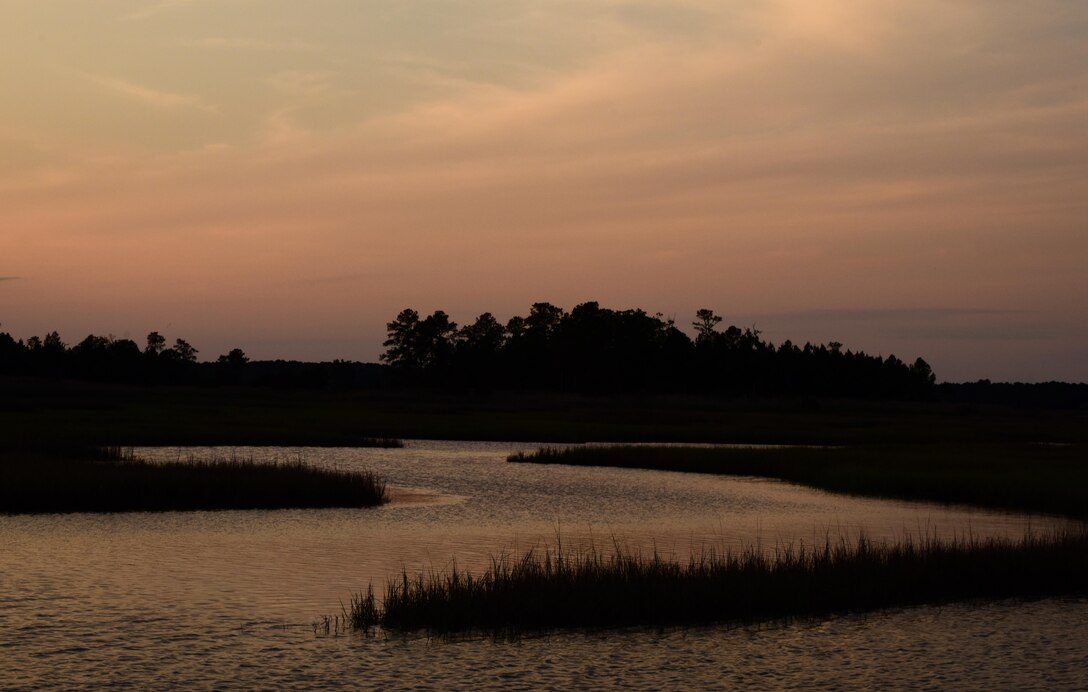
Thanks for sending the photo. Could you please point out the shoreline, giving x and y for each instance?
(1015, 478)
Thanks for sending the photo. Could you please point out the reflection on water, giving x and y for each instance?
(207, 596)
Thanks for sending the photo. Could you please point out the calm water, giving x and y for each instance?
(227, 598)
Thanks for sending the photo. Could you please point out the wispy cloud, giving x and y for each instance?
(905, 325)
(871, 314)
(336, 279)
(153, 97)
(9, 278)
(252, 44)
(303, 83)
(154, 9)
(917, 170)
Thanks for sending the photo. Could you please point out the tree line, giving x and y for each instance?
(96, 357)
(588, 350)
(108, 359)
(597, 350)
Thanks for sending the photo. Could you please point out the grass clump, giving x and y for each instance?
(549, 589)
(1020, 477)
(382, 442)
(110, 480)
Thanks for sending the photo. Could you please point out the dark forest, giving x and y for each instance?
(589, 350)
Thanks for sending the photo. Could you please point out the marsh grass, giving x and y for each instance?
(40, 411)
(549, 589)
(380, 442)
(1021, 477)
(114, 480)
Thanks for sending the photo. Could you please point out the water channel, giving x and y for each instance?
(219, 599)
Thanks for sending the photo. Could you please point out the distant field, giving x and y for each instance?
(39, 411)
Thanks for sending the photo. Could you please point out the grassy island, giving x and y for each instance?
(550, 589)
(107, 480)
(1013, 476)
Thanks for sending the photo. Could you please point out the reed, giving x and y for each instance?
(549, 589)
(1020, 477)
(382, 442)
(114, 480)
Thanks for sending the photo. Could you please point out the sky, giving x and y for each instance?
(907, 178)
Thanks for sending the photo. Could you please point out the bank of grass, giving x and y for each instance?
(1018, 477)
(107, 480)
(38, 411)
(548, 589)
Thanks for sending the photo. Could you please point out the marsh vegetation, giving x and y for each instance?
(549, 588)
(1023, 477)
(112, 480)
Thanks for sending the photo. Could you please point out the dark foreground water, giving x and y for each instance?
(221, 599)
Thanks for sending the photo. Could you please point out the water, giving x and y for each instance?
(228, 598)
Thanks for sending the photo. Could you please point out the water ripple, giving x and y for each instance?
(226, 599)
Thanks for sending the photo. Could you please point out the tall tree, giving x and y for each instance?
(484, 337)
(182, 351)
(156, 343)
(400, 346)
(705, 324)
(435, 340)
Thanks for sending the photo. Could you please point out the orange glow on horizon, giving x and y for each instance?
(901, 177)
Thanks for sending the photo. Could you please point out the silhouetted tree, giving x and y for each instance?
(543, 320)
(435, 341)
(401, 348)
(478, 350)
(591, 349)
(156, 343)
(705, 324)
(53, 344)
(124, 350)
(235, 358)
(183, 352)
(515, 327)
(12, 353)
(595, 349)
(923, 373)
(415, 345)
(485, 335)
(92, 344)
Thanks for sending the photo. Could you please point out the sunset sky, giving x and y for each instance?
(284, 176)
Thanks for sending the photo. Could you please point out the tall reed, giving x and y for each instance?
(548, 588)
